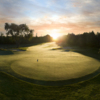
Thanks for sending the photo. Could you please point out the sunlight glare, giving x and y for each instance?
(55, 35)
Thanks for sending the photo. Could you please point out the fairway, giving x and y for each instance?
(52, 65)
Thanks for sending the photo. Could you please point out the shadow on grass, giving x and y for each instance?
(56, 48)
(8, 49)
(21, 45)
(90, 52)
(6, 52)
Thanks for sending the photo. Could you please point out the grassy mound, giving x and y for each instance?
(53, 69)
(12, 88)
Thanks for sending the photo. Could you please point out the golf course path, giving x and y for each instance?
(48, 64)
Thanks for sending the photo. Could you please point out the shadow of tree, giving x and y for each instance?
(93, 53)
(6, 52)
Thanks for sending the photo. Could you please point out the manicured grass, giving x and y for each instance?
(12, 88)
(53, 65)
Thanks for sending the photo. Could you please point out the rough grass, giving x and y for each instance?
(15, 89)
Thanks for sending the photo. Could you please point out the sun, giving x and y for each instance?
(55, 35)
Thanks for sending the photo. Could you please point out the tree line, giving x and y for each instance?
(20, 34)
(87, 39)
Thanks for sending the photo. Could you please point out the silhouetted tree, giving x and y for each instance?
(98, 38)
(18, 32)
(83, 40)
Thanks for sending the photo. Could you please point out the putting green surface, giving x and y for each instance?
(52, 65)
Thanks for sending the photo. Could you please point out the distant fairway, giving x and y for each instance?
(52, 65)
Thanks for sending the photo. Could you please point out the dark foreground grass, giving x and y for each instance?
(12, 88)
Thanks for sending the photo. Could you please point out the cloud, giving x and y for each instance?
(66, 16)
(10, 9)
(67, 27)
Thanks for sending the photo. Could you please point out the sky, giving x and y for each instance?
(52, 16)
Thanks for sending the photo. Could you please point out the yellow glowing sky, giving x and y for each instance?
(57, 17)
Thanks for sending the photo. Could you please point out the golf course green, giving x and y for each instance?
(46, 62)
(22, 76)
(53, 65)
